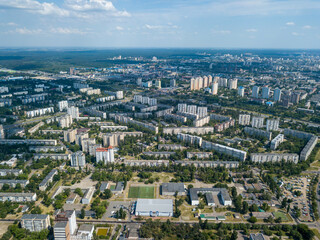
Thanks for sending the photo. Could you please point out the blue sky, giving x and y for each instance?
(160, 23)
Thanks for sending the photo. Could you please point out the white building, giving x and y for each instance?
(241, 91)
(192, 109)
(202, 112)
(119, 94)
(78, 159)
(63, 105)
(265, 92)
(233, 83)
(244, 119)
(182, 107)
(105, 155)
(255, 92)
(214, 90)
(277, 95)
(73, 111)
(272, 125)
(35, 222)
(1, 132)
(154, 207)
(257, 122)
(65, 121)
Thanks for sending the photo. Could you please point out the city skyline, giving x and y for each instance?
(162, 24)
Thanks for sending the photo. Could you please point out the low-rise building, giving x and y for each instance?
(170, 189)
(18, 197)
(47, 180)
(35, 222)
(154, 207)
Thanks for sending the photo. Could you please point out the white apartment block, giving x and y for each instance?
(73, 111)
(222, 82)
(192, 109)
(63, 105)
(65, 121)
(78, 159)
(105, 155)
(182, 107)
(272, 125)
(119, 94)
(244, 119)
(4, 89)
(214, 90)
(257, 122)
(276, 141)
(202, 112)
(39, 112)
(233, 83)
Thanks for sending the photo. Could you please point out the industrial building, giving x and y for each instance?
(154, 207)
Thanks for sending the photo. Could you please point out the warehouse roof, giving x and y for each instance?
(154, 205)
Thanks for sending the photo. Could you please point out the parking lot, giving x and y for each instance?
(302, 202)
(115, 206)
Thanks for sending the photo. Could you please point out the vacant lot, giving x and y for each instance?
(141, 192)
(102, 231)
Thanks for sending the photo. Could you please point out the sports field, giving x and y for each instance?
(141, 192)
(282, 215)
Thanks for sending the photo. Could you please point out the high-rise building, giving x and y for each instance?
(244, 119)
(78, 159)
(158, 84)
(272, 125)
(277, 95)
(1, 132)
(105, 155)
(63, 105)
(74, 112)
(241, 91)
(255, 92)
(209, 80)
(119, 94)
(172, 83)
(65, 121)
(214, 88)
(70, 135)
(61, 231)
(295, 97)
(192, 109)
(70, 217)
(182, 107)
(205, 82)
(139, 82)
(257, 122)
(202, 112)
(233, 83)
(265, 92)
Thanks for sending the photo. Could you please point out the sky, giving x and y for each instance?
(289, 24)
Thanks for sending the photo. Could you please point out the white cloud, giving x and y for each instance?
(154, 27)
(8, 24)
(34, 6)
(26, 31)
(119, 28)
(61, 30)
(296, 34)
(95, 5)
(251, 30)
(222, 32)
(290, 24)
(307, 27)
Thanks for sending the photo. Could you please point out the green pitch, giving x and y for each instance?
(141, 192)
(282, 215)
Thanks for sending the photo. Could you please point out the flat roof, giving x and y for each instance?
(172, 187)
(34, 216)
(154, 205)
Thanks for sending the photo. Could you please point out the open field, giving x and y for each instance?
(102, 232)
(141, 192)
(282, 215)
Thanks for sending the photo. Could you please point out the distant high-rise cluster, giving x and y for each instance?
(200, 82)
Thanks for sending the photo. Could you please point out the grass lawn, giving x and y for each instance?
(141, 192)
(112, 187)
(282, 215)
